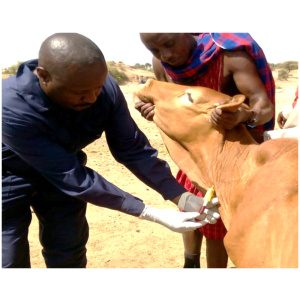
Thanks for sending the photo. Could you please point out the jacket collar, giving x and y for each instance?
(28, 85)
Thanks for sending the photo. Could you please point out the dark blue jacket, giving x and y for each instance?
(38, 135)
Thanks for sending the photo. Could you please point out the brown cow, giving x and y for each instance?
(257, 185)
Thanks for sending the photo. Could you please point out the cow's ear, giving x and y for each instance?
(233, 105)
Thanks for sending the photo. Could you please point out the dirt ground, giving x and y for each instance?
(121, 241)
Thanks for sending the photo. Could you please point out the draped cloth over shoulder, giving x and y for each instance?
(205, 68)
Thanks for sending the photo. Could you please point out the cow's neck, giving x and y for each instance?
(221, 158)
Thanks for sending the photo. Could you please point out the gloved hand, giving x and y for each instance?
(189, 202)
(174, 220)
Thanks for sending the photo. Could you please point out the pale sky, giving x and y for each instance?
(128, 47)
(115, 28)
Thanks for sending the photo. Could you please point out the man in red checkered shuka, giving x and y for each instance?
(231, 63)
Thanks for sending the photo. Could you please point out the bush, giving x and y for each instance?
(272, 66)
(146, 66)
(139, 66)
(120, 77)
(110, 62)
(283, 74)
(12, 69)
(290, 65)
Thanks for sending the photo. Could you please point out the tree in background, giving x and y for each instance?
(272, 66)
(283, 74)
(285, 68)
(290, 65)
(12, 69)
(146, 66)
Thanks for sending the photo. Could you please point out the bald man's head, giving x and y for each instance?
(71, 70)
(61, 53)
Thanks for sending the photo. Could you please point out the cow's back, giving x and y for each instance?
(264, 229)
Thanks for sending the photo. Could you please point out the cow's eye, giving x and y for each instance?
(190, 97)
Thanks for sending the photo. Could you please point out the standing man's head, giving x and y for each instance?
(71, 70)
(171, 48)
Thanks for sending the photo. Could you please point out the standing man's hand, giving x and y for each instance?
(281, 120)
(146, 109)
(228, 120)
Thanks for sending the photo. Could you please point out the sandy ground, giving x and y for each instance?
(121, 241)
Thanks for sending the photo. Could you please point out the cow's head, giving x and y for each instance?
(183, 112)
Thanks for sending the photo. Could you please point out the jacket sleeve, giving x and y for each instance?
(62, 169)
(129, 146)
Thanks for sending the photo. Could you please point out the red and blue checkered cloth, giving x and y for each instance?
(209, 45)
(296, 98)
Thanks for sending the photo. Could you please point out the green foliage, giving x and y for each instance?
(120, 77)
(139, 66)
(278, 66)
(290, 65)
(146, 66)
(272, 66)
(283, 74)
(12, 69)
(110, 62)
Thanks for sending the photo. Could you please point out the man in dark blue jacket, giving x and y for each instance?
(53, 108)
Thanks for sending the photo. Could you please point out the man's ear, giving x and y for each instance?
(234, 104)
(43, 75)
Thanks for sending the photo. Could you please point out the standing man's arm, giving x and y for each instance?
(147, 109)
(240, 70)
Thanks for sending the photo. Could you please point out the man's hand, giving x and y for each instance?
(228, 120)
(146, 109)
(281, 120)
(189, 203)
(174, 220)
